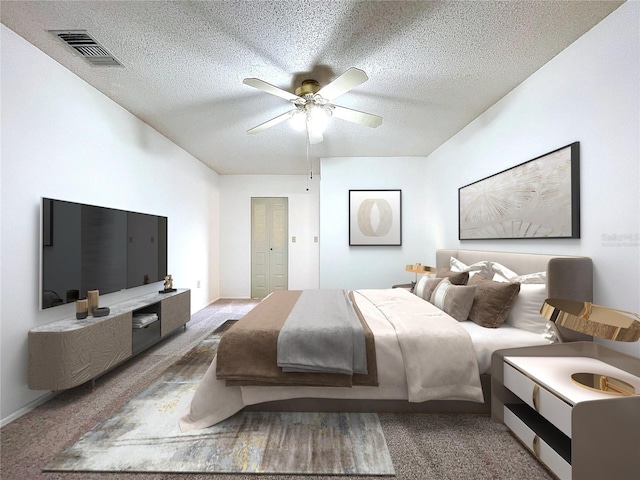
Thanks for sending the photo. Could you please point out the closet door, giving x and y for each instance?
(269, 245)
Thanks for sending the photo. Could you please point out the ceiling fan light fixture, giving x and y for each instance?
(318, 116)
(298, 120)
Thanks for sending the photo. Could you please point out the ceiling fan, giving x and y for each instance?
(312, 104)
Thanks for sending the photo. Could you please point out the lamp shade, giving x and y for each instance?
(594, 320)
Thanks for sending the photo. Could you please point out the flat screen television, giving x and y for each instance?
(85, 247)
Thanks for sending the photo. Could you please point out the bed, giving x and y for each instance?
(405, 379)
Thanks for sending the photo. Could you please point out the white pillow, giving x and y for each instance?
(525, 313)
(483, 268)
(503, 274)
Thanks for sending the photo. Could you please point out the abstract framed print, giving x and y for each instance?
(375, 217)
(536, 199)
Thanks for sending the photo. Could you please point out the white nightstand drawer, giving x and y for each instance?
(554, 409)
(542, 451)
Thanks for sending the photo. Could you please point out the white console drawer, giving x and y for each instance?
(542, 451)
(554, 409)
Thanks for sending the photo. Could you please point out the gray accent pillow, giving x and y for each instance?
(455, 300)
(493, 301)
(457, 278)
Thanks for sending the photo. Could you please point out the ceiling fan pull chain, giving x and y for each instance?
(310, 176)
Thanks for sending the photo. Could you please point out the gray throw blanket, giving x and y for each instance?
(322, 334)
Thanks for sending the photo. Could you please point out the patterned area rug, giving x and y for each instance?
(144, 436)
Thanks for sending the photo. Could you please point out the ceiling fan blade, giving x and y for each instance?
(366, 119)
(272, 122)
(345, 82)
(315, 134)
(272, 89)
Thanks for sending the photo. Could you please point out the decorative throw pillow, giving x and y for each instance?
(503, 274)
(483, 268)
(457, 278)
(418, 288)
(525, 313)
(427, 287)
(493, 301)
(455, 300)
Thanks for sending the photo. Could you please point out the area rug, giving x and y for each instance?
(144, 436)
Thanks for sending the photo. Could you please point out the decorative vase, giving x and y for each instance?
(82, 308)
(92, 297)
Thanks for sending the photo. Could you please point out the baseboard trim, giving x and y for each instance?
(27, 408)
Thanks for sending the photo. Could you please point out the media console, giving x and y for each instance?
(70, 352)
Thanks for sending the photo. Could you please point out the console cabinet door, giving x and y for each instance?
(175, 311)
(60, 360)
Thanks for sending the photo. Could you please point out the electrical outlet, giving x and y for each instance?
(198, 284)
(293, 239)
(315, 239)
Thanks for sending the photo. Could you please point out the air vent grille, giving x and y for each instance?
(87, 47)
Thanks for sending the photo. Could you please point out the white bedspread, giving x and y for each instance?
(439, 360)
(409, 364)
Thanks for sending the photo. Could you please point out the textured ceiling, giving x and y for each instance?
(433, 66)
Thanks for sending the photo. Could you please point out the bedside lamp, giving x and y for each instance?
(597, 321)
(419, 268)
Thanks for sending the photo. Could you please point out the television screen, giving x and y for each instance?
(85, 247)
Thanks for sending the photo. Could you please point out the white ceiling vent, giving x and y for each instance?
(87, 47)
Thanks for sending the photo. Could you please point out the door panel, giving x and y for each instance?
(278, 261)
(269, 245)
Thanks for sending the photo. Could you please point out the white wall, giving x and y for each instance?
(589, 93)
(235, 229)
(344, 266)
(63, 139)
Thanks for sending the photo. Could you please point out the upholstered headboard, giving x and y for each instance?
(567, 276)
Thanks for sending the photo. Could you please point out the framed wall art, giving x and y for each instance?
(375, 217)
(536, 199)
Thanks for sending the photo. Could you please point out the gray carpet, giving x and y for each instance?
(421, 446)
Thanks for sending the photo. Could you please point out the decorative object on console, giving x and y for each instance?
(375, 217)
(72, 295)
(598, 321)
(168, 284)
(82, 309)
(93, 299)
(536, 199)
(101, 311)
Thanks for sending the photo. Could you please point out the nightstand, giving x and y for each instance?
(575, 432)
